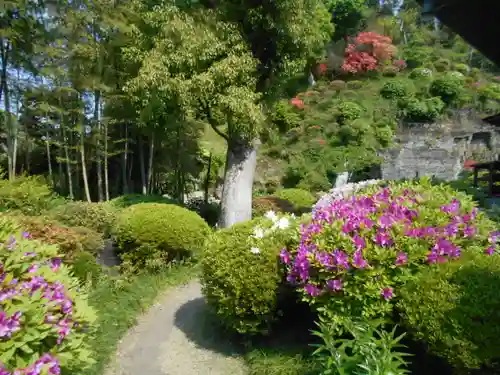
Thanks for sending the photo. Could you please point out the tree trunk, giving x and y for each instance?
(84, 165)
(97, 119)
(106, 170)
(236, 202)
(68, 164)
(49, 158)
(150, 163)
(125, 161)
(142, 166)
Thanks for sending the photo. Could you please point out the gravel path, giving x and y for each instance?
(176, 337)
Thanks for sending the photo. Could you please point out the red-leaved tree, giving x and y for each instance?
(367, 51)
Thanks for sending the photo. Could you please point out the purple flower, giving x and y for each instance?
(359, 242)
(9, 325)
(3, 370)
(469, 231)
(358, 261)
(285, 256)
(401, 258)
(341, 259)
(312, 290)
(55, 264)
(387, 293)
(383, 238)
(334, 284)
(490, 250)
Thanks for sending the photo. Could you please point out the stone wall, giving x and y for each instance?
(439, 149)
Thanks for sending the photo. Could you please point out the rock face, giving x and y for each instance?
(439, 150)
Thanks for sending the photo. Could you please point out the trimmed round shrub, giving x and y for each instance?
(348, 111)
(421, 73)
(241, 276)
(455, 309)
(264, 204)
(30, 195)
(44, 315)
(462, 68)
(338, 85)
(285, 116)
(422, 110)
(301, 199)
(160, 231)
(70, 240)
(448, 88)
(357, 252)
(390, 71)
(395, 89)
(354, 85)
(96, 216)
(442, 65)
(124, 201)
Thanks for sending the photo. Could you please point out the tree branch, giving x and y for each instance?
(213, 124)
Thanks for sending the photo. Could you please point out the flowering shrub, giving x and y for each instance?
(455, 309)
(356, 252)
(43, 316)
(366, 51)
(343, 192)
(242, 278)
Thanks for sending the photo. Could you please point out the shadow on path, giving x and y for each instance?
(199, 325)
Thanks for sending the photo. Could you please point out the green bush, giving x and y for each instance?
(243, 286)
(417, 56)
(158, 233)
(124, 201)
(261, 205)
(462, 68)
(378, 240)
(390, 71)
(46, 329)
(348, 111)
(27, 194)
(455, 309)
(284, 116)
(422, 110)
(97, 216)
(395, 89)
(447, 87)
(301, 199)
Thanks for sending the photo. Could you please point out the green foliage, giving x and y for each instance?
(454, 307)
(348, 17)
(264, 204)
(128, 200)
(86, 268)
(244, 286)
(348, 111)
(422, 110)
(447, 87)
(417, 56)
(285, 116)
(301, 199)
(395, 89)
(390, 71)
(338, 85)
(37, 328)
(367, 350)
(155, 233)
(97, 216)
(27, 194)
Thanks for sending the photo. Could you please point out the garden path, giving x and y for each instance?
(176, 337)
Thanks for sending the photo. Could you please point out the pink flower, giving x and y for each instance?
(334, 284)
(387, 293)
(402, 258)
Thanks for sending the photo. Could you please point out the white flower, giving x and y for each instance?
(271, 215)
(258, 233)
(282, 223)
(255, 250)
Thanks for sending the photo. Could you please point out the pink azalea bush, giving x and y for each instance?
(357, 251)
(44, 315)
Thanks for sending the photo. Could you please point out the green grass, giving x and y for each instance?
(120, 302)
(268, 362)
